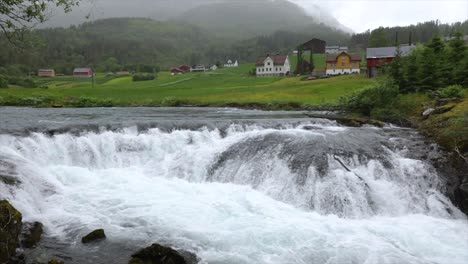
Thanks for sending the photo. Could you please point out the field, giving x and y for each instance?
(224, 87)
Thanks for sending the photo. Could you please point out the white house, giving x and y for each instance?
(273, 65)
(214, 67)
(230, 64)
(198, 68)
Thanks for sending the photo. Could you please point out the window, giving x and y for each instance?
(269, 63)
(343, 64)
(343, 58)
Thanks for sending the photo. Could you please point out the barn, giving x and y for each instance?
(83, 73)
(317, 46)
(379, 57)
(46, 73)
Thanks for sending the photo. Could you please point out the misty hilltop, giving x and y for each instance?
(236, 19)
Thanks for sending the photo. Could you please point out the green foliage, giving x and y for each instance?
(25, 82)
(383, 95)
(139, 77)
(378, 38)
(413, 34)
(3, 82)
(453, 91)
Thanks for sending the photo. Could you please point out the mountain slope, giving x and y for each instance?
(243, 19)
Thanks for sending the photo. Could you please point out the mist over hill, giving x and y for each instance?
(249, 18)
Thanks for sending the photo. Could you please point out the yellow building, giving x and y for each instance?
(343, 64)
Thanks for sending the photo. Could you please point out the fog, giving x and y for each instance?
(90, 10)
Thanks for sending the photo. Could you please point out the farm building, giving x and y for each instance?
(231, 64)
(343, 64)
(83, 73)
(199, 68)
(175, 71)
(378, 57)
(273, 65)
(316, 46)
(46, 73)
(185, 68)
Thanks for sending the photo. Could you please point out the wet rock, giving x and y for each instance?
(94, 236)
(32, 235)
(158, 254)
(20, 259)
(9, 180)
(10, 229)
(428, 112)
(55, 261)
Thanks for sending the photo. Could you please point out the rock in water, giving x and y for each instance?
(94, 236)
(158, 254)
(10, 229)
(54, 261)
(32, 235)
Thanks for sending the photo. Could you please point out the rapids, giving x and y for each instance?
(237, 187)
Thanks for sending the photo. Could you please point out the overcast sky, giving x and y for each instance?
(361, 15)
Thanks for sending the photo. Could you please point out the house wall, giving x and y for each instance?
(343, 65)
(269, 69)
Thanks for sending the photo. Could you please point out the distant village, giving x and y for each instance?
(338, 61)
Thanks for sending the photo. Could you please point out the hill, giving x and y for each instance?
(243, 19)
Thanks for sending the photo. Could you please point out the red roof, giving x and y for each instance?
(177, 70)
(356, 57)
(277, 59)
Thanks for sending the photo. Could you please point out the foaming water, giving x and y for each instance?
(307, 193)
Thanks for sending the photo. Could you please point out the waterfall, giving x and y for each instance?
(297, 193)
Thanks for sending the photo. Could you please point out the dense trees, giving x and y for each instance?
(420, 33)
(432, 67)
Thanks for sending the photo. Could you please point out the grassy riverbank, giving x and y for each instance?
(225, 87)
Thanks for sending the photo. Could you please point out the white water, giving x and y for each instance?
(157, 187)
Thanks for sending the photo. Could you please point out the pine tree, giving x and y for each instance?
(396, 69)
(300, 60)
(311, 61)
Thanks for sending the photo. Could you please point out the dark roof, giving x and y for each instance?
(387, 52)
(353, 57)
(277, 59)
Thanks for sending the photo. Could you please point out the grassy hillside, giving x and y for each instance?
(220, 88)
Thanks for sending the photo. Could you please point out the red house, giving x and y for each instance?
(175, 71)
(379, 57)
(185, 68)
(83, 73)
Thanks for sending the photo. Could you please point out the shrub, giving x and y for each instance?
(453, 91)
(25, 82)
(3, 82)
(381, 95)
(139, 77)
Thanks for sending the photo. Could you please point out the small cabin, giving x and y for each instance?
(50, 73)
(83, 73)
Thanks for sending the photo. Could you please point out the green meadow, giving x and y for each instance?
(224, 87)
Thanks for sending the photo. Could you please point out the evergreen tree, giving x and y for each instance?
(311, 62)
(300, 60)
(411, 74)
(378, 38)
(396, 69)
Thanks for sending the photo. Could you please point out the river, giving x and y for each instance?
(232, 186)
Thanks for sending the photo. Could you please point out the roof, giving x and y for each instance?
(353, 57)
(332, 47)
(82, 70)
(387, 52)
(46, 70)
(277, 59)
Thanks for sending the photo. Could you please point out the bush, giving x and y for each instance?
(382, 95)
(453, 91)
(25, 82)
(139, 77)
(3, 82)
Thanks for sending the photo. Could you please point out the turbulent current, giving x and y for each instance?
(231, 186)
